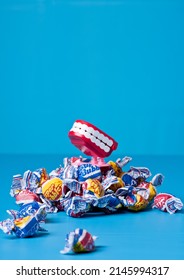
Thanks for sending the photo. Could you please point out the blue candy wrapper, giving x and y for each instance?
(77, 206)
(28, 209)
(88, 171)
(108, 203)
(26, 226)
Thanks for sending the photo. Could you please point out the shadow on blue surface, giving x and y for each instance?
(38, 235)
(52, 220)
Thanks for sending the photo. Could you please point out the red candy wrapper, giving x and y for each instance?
(26, 196)
(167, 202)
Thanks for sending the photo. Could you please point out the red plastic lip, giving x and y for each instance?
(87, 146)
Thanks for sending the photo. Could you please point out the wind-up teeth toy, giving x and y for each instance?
(91, 140)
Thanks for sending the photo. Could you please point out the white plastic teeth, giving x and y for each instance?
(95, 136)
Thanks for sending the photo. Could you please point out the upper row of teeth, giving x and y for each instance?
(94, 135)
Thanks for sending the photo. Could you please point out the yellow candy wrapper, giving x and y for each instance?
(52, 189)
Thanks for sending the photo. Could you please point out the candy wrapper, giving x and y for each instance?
(25, 226)
(112, 182)
(52, 189)
(31, 181)
(167, 203)
(88, 171)
(26, 196)
(71, 185)
(151, 190)
(17, 185)
(94, 187)
(118, 165)
(69, 171)
(135, 175)
(50, 206)
(79, 241)
(140, 204)
(77, 206)
(151, 186)
(28, 209)
(108, 203)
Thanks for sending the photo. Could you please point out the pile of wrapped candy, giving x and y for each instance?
(82, 185)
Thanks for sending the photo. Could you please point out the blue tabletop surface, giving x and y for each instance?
(150, 234)
(117, 64)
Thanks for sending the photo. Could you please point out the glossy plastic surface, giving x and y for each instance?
(85, 144)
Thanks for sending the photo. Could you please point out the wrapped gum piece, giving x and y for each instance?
(26, 196)
(140, 204)
(108, 203)
(167, 203)
(116, 186)
(117, 169)
(52, 189)
(136, 175)
(112, 182)
(16, 186)
(71, 185)
(88, 171)
(27, 209)
(43, 176)
(118, 165)
(79, 241)
(77, 206)
(94, 186)
(25, 226)
(151, 189)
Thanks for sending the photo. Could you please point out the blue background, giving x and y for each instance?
(116, 64)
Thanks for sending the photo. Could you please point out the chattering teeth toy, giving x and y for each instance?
(91, 140)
